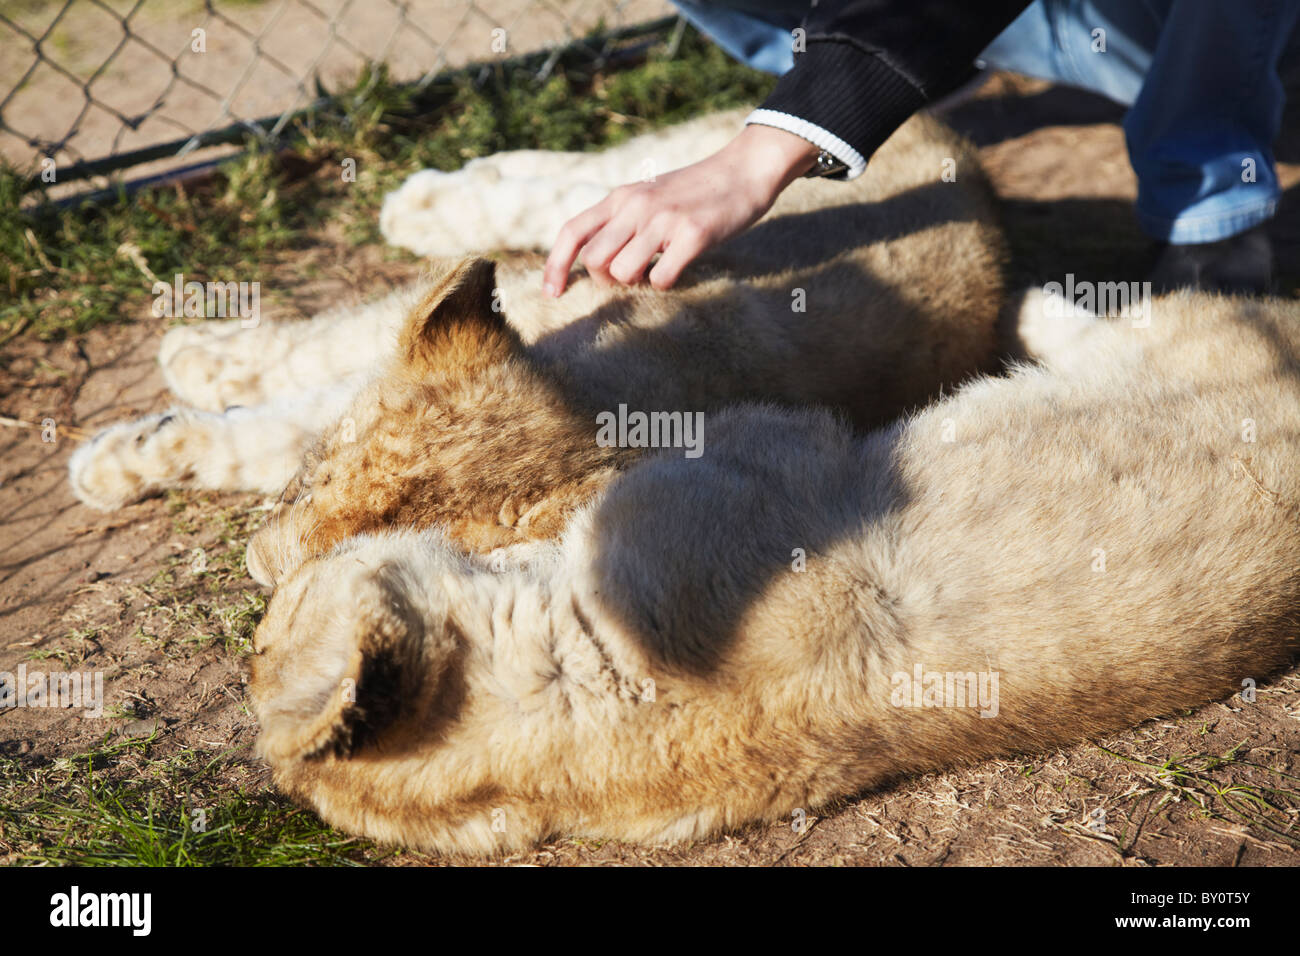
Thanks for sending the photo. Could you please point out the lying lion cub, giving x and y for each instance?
(424, 408)
(802, 613)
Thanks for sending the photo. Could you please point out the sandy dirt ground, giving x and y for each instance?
(153, 596)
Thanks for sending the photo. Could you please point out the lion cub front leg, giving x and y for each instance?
(255, 448)
(1048, 327)
(214, 365)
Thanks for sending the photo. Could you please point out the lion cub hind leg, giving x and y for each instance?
(448, 214)
(519, 199)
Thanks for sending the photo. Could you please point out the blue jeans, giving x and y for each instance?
(1199, 78)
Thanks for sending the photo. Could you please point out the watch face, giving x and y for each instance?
(826, 165)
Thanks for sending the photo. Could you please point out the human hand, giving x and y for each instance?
(681, 213)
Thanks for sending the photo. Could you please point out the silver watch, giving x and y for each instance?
(826, 165)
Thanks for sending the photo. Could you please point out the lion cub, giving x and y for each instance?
(802, 612)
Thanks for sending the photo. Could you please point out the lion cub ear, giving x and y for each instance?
(347, 681)
(459, 324)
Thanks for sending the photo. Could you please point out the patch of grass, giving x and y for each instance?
(83, 641)
(200, 604)
(173, 812)
(65, 270)
(1225, 787)
(200, 596)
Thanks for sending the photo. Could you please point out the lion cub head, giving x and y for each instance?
(462, 430)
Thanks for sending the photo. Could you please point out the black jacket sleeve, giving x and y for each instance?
(870, 64)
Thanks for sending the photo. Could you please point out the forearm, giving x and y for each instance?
(867, 65)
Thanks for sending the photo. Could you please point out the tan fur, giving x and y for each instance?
(669, 671)
(898, 275)
(868, 298)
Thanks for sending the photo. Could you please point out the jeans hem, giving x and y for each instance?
(1208, 227)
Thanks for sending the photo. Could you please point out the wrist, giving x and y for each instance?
(773, 157)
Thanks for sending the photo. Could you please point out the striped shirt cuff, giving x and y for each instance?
(822, 139)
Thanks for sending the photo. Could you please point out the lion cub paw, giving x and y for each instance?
(434, 213)
(1050, 326)
(127, 462)
(208, 379)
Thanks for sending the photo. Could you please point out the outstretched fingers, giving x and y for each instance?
(573, 235)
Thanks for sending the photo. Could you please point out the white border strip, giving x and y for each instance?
(819, 137)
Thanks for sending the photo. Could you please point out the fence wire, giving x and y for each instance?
(89, 87)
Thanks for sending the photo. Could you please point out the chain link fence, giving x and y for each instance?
(89, 87)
